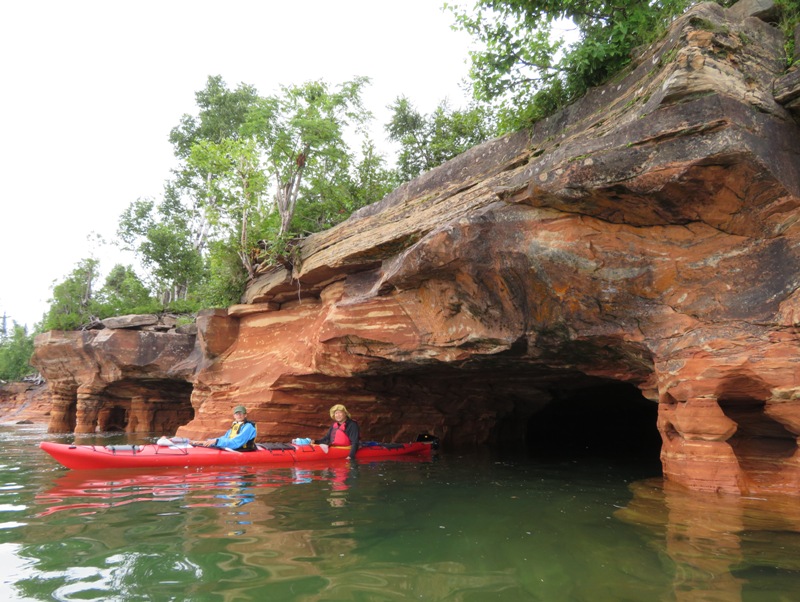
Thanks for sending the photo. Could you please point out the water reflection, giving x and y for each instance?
(90, 491)
(724, 547)
(209, 534)
(461, 529)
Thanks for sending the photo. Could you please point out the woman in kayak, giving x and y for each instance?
(344, 430)
(240, 437)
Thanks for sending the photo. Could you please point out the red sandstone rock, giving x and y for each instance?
(24, 402)
(115, 379)
(647, 234)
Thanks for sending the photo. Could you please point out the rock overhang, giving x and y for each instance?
(647, 235)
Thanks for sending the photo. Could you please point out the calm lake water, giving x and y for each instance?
(467, 528)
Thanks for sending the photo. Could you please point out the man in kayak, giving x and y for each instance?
(240, 437)
(344, 430)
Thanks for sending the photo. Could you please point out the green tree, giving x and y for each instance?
(168, 238)
(372, 179)
(427, 141)
(222, 112)
(528, 72)
(239, 186)
(16, 349)
(331, 196)
(301, 131)
(253, 173)
(71, 305)
(244, 156)
(217, 186)
(226, 280)
(206, 146)
(123, 293)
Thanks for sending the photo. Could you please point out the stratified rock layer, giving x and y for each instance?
(24, 402)
(648, 235)
(116, 379)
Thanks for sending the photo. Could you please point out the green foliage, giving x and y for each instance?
(183, 307)
(16, 349)
(71, 304)
(239, 184)
(220, 181)
(331, 197)
(427, 141)
(790, 18)
(221, 116)
(123, 293)
(527, 72)
(75, 302)
(372, 179)
(254, 173)
(301, 131)
(226, 278)
(243, 147)
(165, 238)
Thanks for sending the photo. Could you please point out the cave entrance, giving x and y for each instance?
(113, 419)
(608, 421)
(524, 411)
(139, 406)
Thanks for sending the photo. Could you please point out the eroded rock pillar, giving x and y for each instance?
(62, 412)
(695, 450)
(140, 418)
(89, 404)
(785, 410)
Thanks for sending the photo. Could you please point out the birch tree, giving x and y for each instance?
(301, 131)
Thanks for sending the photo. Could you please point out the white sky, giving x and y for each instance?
(91, 89)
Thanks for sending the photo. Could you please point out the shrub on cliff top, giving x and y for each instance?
(527, 71)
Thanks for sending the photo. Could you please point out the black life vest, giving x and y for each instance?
(249, 445)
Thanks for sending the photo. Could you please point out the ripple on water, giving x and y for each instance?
(460, 528)
(12, 525)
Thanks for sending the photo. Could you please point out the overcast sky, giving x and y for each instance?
(91, 90)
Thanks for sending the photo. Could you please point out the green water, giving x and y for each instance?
(459, 528)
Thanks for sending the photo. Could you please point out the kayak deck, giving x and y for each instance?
(153, 456)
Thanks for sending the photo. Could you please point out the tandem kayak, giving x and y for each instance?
(89, 457)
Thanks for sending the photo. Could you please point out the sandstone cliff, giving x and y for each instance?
(24, 402)
(647, 235)
(133, 374)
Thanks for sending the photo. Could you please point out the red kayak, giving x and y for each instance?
(153, 456)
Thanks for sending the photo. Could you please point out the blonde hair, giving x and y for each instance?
(338, 407)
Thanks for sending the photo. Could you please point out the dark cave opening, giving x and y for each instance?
(610, 421)
(140, 406)
(114, 419)
(530, 413)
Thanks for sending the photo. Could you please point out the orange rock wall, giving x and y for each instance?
(648, 234)
(116, 379)
(24, 402)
